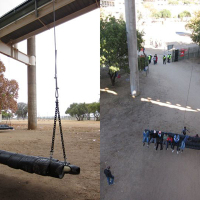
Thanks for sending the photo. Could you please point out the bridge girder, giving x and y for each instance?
(14, 53)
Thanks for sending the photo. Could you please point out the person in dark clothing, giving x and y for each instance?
(153, 137)
(151, 134)
(159, 140)
(176, 142)
(165, 136)
(164, 60)
(143, 50)
(184, 130)
(168, 60)
(169, 141)
(170, 56)
(154, 60)
(109, 176)
(149, 58)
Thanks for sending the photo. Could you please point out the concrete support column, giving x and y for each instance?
(32, 100)
(132, 46)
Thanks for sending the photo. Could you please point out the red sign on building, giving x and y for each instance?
(182, 52)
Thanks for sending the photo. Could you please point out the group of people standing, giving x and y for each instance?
(168, 58)
(161, 139)
(155, 59)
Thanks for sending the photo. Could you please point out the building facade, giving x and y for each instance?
(114, 8)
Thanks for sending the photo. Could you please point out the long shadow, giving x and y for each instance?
(6, 131)
(12, 188)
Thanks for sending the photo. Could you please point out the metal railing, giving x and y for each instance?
(186, 53)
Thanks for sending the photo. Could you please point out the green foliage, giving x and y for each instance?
(142, 62)
(139, 15)
(194, 26)
(161, 14)
(6, 115)
(184, 14)
(113, 45)
(165, 13)
(22, 110)
(82, 110)
(114, 69)
(156, 14)
(140, 39)
(173, 2)
(77, 110)
(95, 109)
(147, 5)
(186, 1)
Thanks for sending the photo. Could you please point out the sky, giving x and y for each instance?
(78, 57)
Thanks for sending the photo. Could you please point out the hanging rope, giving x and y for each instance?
(187, 96)
(57, 112)
(54, 21)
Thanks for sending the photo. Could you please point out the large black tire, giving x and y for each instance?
(38, 165)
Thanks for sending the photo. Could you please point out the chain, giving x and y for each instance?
(57, 112)
(54, 132)
(61, 133)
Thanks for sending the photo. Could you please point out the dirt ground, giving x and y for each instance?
(142, 173)
(82, 144)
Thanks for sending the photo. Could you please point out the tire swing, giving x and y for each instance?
(41, 165)
(5, 127)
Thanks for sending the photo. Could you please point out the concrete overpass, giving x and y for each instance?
(29, 19)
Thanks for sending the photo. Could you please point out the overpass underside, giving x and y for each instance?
(29, 19)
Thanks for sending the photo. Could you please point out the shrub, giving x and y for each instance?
(165, 13)
(184, 14)
(173, 2)
(142, 62)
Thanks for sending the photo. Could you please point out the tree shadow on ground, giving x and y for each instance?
(13, 188)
